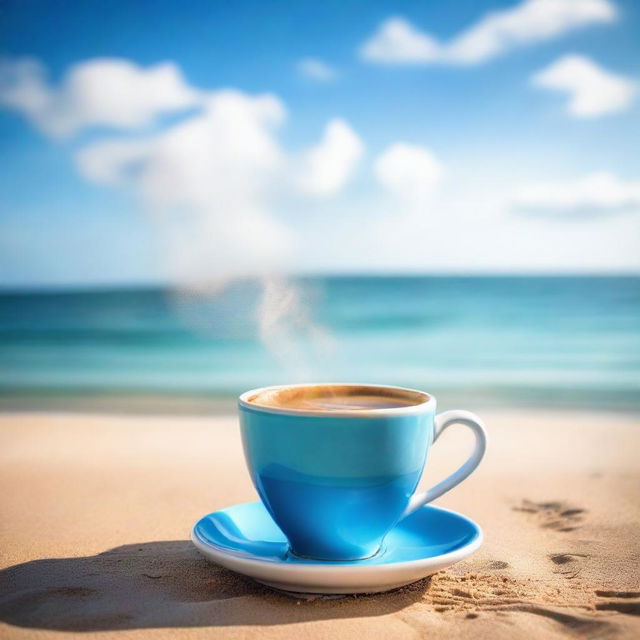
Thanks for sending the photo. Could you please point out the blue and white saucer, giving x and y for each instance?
(245, 539)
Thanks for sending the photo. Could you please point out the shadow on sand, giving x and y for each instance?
(161, 584)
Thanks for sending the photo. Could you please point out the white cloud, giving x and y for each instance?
(328, 166)
(410, 172)
(208, 179)
(529, 22)
(592, 90)
(398, 42)
(102, 92)
(316, 69)
(598, 194)
(218, 180)
(215, 181)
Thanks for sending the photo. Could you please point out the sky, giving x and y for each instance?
(172, 141)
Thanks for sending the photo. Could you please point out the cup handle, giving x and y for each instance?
(442, 421)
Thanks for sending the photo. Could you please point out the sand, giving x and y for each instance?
(96, 512)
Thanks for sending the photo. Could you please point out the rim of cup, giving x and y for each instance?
(428, 402)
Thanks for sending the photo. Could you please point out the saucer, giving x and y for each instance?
(245, 539)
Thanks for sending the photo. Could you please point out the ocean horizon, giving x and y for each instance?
(548, 341)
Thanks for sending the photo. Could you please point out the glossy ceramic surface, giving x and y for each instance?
(336, 485)
(337, 482)
(245, 538)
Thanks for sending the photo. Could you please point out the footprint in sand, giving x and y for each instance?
(621, 601)
(558, 516)
(475, 594)
(493, 565)
(568, 564)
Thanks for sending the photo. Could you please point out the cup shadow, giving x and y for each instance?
(162, 584)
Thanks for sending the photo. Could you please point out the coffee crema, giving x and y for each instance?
(327, 398)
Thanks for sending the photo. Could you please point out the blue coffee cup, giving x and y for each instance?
(337, 480)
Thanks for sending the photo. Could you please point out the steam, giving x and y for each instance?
(288, 329)
(214, 185)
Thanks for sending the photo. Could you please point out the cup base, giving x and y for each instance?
(294, 554)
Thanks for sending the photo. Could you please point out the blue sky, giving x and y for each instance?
(458, 157)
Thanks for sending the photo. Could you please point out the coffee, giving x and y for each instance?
(328, 398)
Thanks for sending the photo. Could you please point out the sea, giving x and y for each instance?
(570, 342)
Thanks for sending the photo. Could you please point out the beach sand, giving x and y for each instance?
(96, 512)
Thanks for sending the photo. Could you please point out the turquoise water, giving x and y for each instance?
(481, 340)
